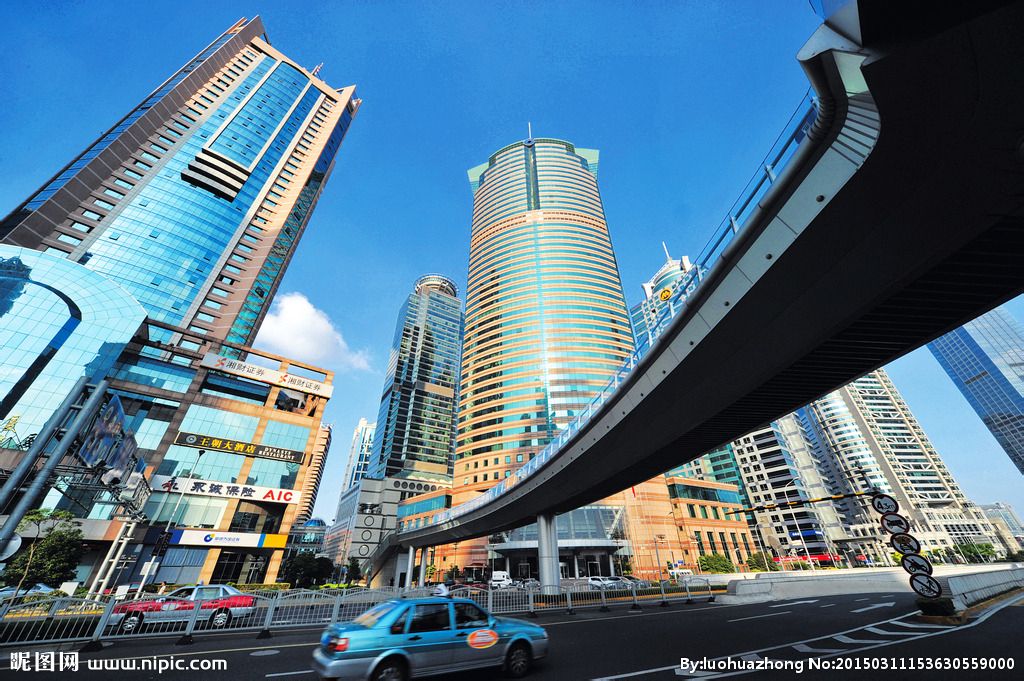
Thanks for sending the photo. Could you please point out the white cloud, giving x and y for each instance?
(295, 328)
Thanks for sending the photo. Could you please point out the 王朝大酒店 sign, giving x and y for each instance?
(223, 490)
(282, 379)
(220, 444)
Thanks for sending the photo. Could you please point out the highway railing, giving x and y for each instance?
(106, 619)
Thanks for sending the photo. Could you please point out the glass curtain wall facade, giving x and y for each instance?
(654, 306)
(985, 359)
(195, 201)
(359, 454)
(546, 319)
(415, 435)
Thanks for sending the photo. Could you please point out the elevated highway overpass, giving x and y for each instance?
(891, 212)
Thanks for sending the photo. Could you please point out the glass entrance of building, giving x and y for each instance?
(240, 567)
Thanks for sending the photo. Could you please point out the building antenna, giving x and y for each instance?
(529, 130)
(666, 250)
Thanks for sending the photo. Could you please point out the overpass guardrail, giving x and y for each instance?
(107, 619)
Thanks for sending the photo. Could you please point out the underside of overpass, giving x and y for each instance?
(925, 235)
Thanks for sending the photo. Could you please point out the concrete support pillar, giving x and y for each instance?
(508, 566)
(575, 565)
(424, 553)
(547, 550)
(611, 564)
(410, 562)
(399, 563)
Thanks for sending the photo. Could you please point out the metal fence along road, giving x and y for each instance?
(90, 621)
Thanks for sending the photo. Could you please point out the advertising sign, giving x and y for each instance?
(265, 375)
(221, 444)
(228, 539)
(225, 490)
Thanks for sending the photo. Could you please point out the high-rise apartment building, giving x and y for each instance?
(415, 435)
(359, 454)
(865, 435)
(985, 359)
(546, 327)
(194, 202)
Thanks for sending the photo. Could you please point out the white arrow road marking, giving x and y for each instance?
(887, 604)
(846, 639)
(751, 656)
(771, 614)
(786, 605)
(804, 648)
(883, 632)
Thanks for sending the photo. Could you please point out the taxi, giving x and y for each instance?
(403, 638)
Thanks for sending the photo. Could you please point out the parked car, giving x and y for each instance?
(529, 584)
(399, 639)
(637, 582)
(224, 604)
(26, 590)
(597, 583)
(500, 580)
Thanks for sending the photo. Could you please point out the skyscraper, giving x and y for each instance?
(359, 454)
(864, 434)
(985, 359)
(546, 326)
(195, 201)
(655, 307)
(415, 434)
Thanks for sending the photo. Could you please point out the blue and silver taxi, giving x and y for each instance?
(401, 639)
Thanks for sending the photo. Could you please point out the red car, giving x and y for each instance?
(224, 603)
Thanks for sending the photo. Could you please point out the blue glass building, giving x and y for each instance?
(415, 436)
(196, 200)
(985, 359)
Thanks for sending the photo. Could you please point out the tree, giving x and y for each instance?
(977, 553)
(304, 569)
(452, 573)
(715, 562)
(54, 553)
(760, 561)
(431, 571)
(355, 573)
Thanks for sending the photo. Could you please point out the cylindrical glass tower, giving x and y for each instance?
(546, 319)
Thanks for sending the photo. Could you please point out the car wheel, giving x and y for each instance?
(390, 670)
(131, 623)
(518, 660)
(220, 619)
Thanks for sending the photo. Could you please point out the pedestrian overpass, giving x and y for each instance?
(890, 211)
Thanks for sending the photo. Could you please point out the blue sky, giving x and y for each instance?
(682, 98)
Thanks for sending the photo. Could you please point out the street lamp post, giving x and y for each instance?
(799, 530)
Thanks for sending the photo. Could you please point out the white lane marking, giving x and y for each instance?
(883, 632)
(827, 606)
(921, 625)
(804, 648)
(301, 671)
(842, 638)
(786, 605)
(887, 604)
(859, 600)
(261, 653)
(771, 614)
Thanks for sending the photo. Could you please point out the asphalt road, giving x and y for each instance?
(648, 644)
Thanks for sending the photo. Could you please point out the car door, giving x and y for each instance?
(475, 640)
(205, 598)
(173, 607)
(429, 637)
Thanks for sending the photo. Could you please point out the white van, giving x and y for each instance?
(500, 580)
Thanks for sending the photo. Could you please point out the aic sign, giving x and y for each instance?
(224, 490)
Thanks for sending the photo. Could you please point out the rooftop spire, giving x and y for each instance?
(529, 130)
(667, 256)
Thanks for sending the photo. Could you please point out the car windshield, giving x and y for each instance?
(181, 593)
(370, 618)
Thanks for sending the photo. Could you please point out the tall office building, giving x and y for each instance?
(194, 202)
(865, 435)
(546, 327)
(1007, 514)
(415, 436)
(359, 454)
(656, 305)
(985, 359)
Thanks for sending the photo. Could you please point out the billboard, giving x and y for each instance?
(272, 376)
(223, 444)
